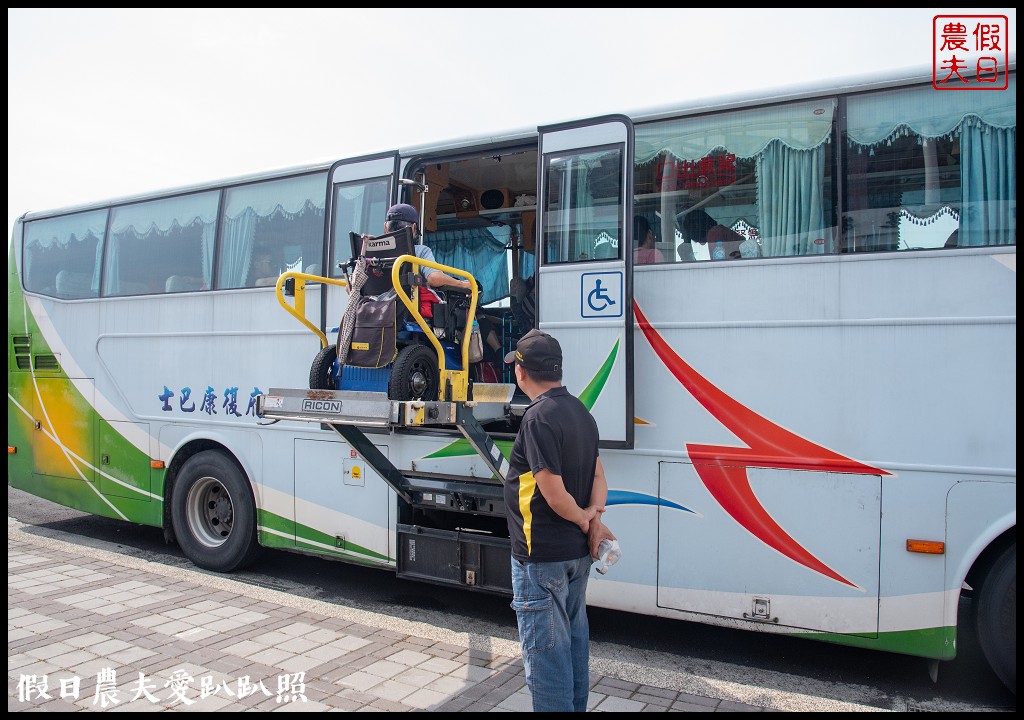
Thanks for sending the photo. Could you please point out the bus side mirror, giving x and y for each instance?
(289, 287)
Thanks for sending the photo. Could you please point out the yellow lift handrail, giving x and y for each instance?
(457, 379)
(299, 311)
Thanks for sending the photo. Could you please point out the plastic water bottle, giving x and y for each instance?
(719, 252)
(608, 553)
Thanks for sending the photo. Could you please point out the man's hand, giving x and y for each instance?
(598, 531)
(588, 517)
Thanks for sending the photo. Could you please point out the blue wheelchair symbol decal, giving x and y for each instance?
(598, 298)
(601, 295)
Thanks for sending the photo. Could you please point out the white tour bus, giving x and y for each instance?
(793, 318)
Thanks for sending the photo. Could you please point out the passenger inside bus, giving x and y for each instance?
(492, 345)
(698, 226)
(262, 271)
(404, 215)
(522, 304)
(643, 236)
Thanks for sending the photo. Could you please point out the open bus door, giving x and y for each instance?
(337, 482)
(361, 191)
(584, 275)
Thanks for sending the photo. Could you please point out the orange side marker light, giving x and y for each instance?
(929, 547)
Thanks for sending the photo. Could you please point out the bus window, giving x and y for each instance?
(761, 178)
(270, 227)
(62, 255)
(930, 169)
(357, 207)
(151, 242)
(582, 207)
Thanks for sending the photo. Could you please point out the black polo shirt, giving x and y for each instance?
(557, 434)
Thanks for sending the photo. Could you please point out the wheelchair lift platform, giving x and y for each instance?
(346, 412)
(457, 522)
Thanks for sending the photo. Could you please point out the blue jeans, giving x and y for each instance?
(550, 600)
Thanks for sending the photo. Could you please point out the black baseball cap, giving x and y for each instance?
(402, 211)
(538, 351)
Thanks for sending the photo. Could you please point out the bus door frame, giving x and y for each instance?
(588, 332)
(337, 249)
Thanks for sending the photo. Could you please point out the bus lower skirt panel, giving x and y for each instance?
(454, 557)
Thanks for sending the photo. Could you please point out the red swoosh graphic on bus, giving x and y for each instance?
(723, 470)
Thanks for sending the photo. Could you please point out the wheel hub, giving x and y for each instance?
(210, 512)
(418, 383)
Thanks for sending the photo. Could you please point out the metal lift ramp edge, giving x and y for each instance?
(347, 411)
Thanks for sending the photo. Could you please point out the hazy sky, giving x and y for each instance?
(106, 103)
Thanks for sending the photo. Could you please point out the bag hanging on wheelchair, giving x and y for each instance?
(374, 336)
(476, 344)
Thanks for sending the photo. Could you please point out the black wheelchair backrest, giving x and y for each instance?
(382, 251)
(389, 245)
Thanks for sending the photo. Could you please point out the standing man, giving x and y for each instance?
(554, 494)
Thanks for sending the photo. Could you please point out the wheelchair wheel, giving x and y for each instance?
(324, 374)
(414, 375)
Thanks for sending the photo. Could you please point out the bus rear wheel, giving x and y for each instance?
(996, 617)
(213, 513)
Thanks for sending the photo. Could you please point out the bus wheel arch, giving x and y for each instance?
(181, 455)
(210, 508)
(994, 607)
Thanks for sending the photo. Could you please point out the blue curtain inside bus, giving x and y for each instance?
(989, 181)
(479, 251)
(151, 241)
(981, 125)
(705, 162)
(790, 199)
(63, 254)
(279, 222)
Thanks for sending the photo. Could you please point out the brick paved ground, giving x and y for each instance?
(89, 629)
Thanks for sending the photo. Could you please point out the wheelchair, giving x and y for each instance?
(383, 347)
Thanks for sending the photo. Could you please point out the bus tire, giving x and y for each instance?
(414, 376)
(322, 374)
(213, 513)
(996, 617)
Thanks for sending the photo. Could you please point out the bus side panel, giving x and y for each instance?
(53, 401)
(632, 514)
(899, 359)
(904, 364)
(21, 425)
(342, 507)
(123, 474)
(20, 431)
(978, 511)
(808, 560)
(215, 352)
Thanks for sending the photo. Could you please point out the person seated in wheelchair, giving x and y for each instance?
(376, 334)
(403, 215)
